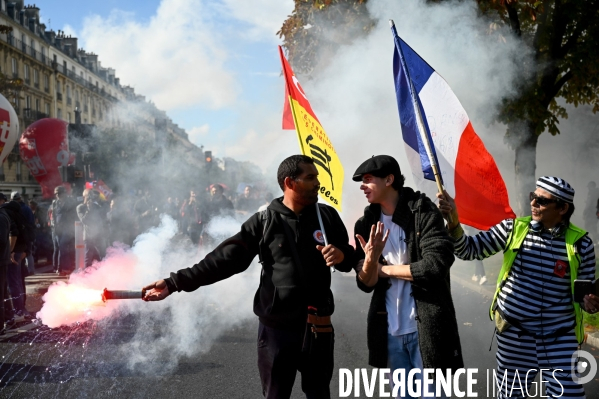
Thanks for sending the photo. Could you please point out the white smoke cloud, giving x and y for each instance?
(188, 322)
(265, 17)
(177, 58)
(198, 133)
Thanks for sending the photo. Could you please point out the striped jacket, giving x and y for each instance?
(537, 293)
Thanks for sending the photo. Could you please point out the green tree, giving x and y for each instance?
(10, 88)
(564, 69)
(317, 27)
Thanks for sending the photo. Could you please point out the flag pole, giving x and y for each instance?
(420, 121)
(299, 138)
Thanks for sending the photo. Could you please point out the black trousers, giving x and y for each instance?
(3, 296)
(280, 356)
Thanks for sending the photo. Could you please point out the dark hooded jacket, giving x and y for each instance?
(18, 225)
(431, 255)
(286, 288)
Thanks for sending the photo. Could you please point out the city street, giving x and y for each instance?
(89, 361)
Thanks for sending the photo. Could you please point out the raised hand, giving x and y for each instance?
(376, 242)
(447, 207)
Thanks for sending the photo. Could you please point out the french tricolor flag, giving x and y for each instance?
(468, 171)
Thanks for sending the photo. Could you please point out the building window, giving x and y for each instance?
(27, 74)
(15, 68)
(37, 104)
(32, 48)
(47, 106)
(46, 83)
(69, 117)
(43, 54)
(28, 102)
(59, 113)
(36, 78)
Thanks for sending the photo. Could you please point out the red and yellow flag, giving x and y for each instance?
(313, 140)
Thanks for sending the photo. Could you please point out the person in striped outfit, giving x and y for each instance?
(543, 254)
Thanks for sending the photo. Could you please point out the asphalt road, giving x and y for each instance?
(91, 360)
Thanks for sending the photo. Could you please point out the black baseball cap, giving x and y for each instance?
(378, 166)
(3, 197)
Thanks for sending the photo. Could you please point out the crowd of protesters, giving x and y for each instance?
(33, 230)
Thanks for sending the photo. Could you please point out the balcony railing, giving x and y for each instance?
(22, 46)
(31, 115)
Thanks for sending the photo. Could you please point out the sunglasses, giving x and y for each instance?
(542, 201)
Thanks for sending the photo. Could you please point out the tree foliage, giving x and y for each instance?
(317, 27)
(562, 35)
(10, 88)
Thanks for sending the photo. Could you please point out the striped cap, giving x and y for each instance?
(558, 187)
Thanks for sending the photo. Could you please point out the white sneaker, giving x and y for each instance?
(475, 278)
(483, 280)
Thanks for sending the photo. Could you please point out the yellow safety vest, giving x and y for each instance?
(514, 242)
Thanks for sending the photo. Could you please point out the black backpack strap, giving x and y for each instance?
(265, 218)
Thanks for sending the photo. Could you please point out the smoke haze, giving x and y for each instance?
(354, 99)
(188, 323)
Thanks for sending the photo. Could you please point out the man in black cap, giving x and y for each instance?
(406, 255)
(533, 308)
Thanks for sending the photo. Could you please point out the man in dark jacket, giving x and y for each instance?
(15, 273)
(64, 212)
(93, 217)
(7, 243)
(295, 277)
(411, 321)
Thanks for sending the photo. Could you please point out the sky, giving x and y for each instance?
(213, 65)
(208, 63)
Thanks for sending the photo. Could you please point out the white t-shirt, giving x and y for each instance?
(401, 308)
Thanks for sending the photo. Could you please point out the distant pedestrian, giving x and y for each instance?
(93, 217)
(64, 214)
(29, 234)
(191, 217)
(120, 222)
(144, 212)
(247, 203)
(5, 250)
(16, 272)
